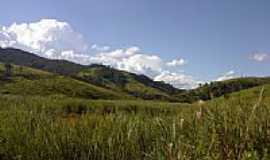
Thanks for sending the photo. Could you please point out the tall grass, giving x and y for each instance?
(67, 128)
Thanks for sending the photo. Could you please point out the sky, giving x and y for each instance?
(181, 42)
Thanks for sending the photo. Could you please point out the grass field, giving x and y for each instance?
(57, 127)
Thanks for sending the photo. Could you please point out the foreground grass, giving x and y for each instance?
(58, 128)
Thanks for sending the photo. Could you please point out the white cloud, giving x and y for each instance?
(229, 75)
(176, 62)
(178, 80)
(259, 56)
(45, 37)
(100, 48)
(54, 39)
(132, 60)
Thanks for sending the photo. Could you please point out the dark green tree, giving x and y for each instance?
(8, 70)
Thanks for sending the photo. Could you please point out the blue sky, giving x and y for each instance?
(213, 36)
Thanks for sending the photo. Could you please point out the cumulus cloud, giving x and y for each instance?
(132, 60)
(100, 48)
(259, 56)
(228, 75)
(55, 39)
(47, 37)
(176, 62)
(178, 80)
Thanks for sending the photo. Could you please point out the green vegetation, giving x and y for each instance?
(121, 81)
(63, 111)
(218, 89)
(138, 86)
(57, 127)
(28, 81)
(124, 83)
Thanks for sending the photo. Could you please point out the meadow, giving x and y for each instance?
(57, 127)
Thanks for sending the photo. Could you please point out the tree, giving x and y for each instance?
(8, 70)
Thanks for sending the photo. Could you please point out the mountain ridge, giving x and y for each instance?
(127, 84)
(135, 85)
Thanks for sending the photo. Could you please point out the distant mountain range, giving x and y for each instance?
(38, 75)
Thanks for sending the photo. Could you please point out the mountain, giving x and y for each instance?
(103, 82)
(23, 58)
(138, 86)
(133, 84)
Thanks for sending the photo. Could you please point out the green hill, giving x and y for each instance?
(48, 115)
(218, 89)
(28, 81)
(95, 80)
(132, 84)
(138, 86)
(23, 58)
(249, 95)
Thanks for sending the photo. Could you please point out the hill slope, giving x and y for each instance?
(28, 81)
(23, 58)
(135, 85)
(252, 94)
(217, 89)
(107, 79)
(102, 76)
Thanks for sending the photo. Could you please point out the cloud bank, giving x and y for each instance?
(228, 75)
(134, 60)
(43, 36)
(55, 39)
(177, 80)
